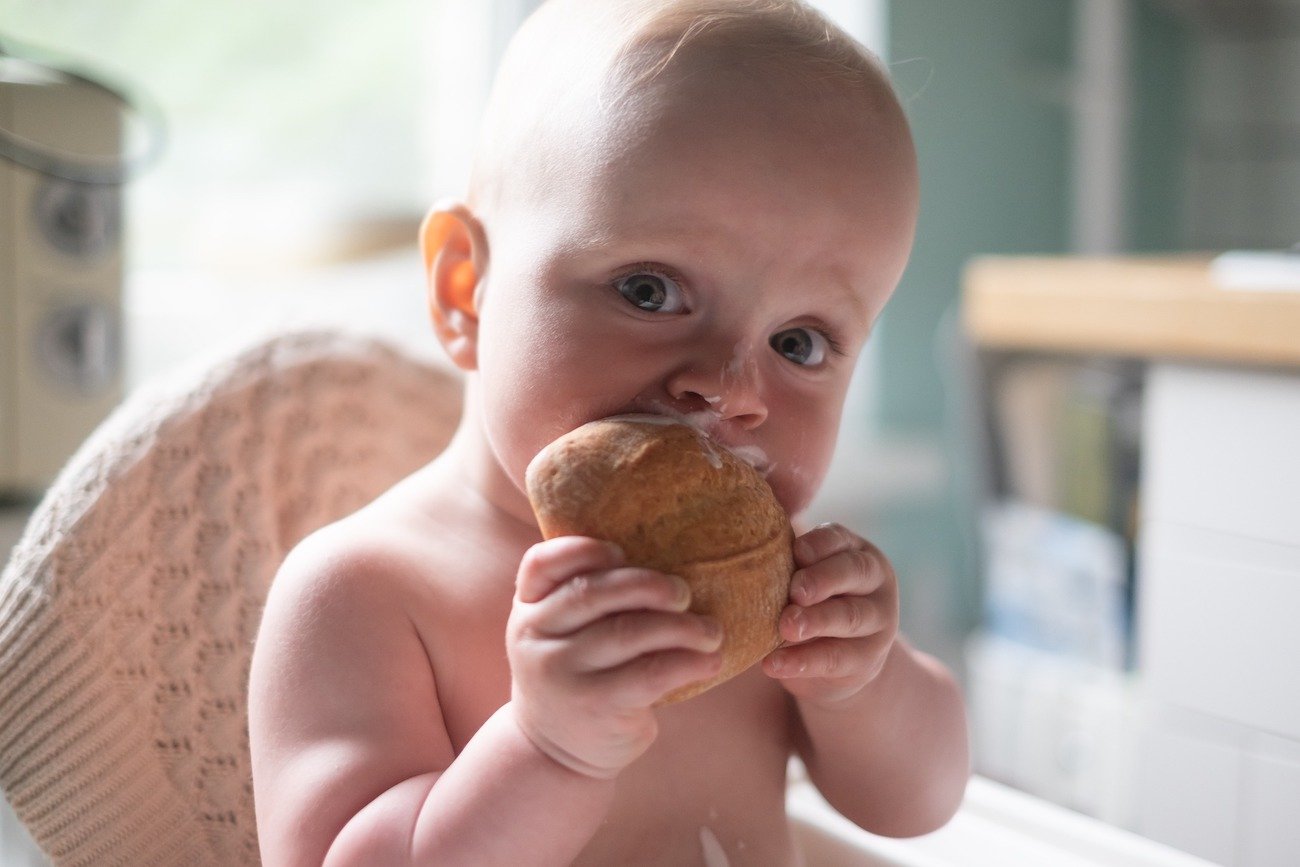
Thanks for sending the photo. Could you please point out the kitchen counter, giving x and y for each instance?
(1156, 307)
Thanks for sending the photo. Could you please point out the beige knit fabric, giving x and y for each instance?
(129, 608)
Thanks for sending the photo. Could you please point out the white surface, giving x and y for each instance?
(1257, 271)
(1219, 626)
(1272, 798)
(1054, 727)
(1219, 589)
(995, 827)
(1222, 450)
(865, 20)
(1189, 789)
(17, 848)
(1225, 791)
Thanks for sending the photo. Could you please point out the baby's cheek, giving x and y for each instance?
(797, 483)
(805, 458)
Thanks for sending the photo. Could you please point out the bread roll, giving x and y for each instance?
(678, 502)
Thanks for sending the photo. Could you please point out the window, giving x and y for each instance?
(294, 126)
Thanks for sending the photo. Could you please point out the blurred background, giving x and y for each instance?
(273, 161)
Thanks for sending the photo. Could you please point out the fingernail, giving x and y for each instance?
(799, 591)
(802, 551)
(799, 624)
(713, 629)
(683, 593)
(615, 551)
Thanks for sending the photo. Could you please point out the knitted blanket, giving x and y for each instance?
(129, 608)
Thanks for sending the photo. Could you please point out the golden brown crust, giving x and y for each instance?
(676, 501)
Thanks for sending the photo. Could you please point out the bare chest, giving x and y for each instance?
(711, 789)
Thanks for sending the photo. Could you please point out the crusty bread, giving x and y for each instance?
(678, 502)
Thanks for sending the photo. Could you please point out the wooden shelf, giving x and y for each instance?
(1167, 307)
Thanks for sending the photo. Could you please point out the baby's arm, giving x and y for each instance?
(884, 725)
(352, 763)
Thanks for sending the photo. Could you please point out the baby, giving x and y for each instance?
(695, 208)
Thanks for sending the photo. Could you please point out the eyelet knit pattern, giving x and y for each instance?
(129, 608)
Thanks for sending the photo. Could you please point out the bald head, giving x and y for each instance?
(580, 73)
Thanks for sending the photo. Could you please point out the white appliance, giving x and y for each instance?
(61, 168)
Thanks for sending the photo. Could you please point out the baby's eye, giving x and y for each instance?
(801, 345)
(654, 293)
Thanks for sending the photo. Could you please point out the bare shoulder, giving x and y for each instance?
(361, 559)
(343, 704)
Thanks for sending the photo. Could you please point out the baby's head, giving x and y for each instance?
(694, 207)
(579, 70)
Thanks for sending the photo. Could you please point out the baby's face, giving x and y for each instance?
(719, 255)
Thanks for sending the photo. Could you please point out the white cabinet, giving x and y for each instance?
(1218, 606)
(1222, 450)
(1271, 827)
(1189, 786)
(1217, 626)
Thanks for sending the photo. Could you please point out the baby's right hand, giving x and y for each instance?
(592, 645)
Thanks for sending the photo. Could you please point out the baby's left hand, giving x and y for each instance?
(842, 620)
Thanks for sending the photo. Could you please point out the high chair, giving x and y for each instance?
(129, 608)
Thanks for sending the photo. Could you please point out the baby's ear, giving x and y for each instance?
(455, 258)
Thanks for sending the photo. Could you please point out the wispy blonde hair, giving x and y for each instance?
(763, 31)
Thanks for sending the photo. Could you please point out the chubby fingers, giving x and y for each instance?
(847, 617)
(844, 588)
(582, 618)
(623, 637)
(609, 618)
(549, 564)
(585, 599)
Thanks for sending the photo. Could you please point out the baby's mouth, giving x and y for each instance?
(755, 457)
(707, 423)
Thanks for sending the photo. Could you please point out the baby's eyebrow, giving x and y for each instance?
(860, 311)
(836, 294)
(607, 248)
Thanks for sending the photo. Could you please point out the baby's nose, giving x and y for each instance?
(728, 385)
